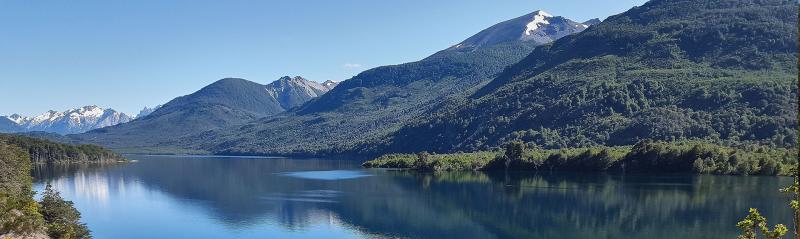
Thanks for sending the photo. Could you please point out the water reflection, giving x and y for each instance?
(249, 197)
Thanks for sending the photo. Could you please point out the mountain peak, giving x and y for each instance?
(292, 92)
(542, 13)
(330, 84)
(146, 111)
(229, 80)
(539, 27)
(539, 18)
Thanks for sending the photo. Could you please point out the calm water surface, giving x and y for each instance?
(215, 197)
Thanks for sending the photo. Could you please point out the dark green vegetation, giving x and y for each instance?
(18, 211)
(45, 151)
(646, 156)
(63, 220)
(717, 70)
(20, 215)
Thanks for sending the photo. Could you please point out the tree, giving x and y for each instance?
(63, 220)
(755, 223)
(514, 151)
(423, 161)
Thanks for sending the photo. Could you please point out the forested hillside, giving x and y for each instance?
(45, 151)
(377, 102)
(224, 103)
(722, 71)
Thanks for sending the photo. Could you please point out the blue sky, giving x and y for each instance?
(130, 54)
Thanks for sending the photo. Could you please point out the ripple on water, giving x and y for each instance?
(328, 175)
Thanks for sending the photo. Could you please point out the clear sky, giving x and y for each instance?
(130, 54)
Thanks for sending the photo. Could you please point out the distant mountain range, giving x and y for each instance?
(71, 121)
(224, 103)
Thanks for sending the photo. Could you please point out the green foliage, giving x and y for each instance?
(701, 157)
(433, 162)
(794, 203)
(754, 224)
(63, 220)
(18, 211)
(393, 161)
(44, 151)
(423, 161)
(646, 156)
(20, 215)
(514, 152)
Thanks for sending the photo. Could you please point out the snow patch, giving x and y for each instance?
(539, 19)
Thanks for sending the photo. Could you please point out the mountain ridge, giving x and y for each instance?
(226, 102)
(77, 120)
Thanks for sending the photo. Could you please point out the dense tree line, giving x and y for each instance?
(20, 215)
(646, 156)
(44, 151)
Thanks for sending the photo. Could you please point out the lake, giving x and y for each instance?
(238, 197)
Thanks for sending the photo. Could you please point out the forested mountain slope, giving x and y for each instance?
(377, 102)
(716, 70)
(227, 102)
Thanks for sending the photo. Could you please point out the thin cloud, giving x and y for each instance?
(352, 65)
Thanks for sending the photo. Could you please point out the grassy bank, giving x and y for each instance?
(645, 156)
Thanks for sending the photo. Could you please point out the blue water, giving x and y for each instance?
(210, 197)
(328, 175)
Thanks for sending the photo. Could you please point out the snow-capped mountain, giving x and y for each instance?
(66, 122)
(538, 26)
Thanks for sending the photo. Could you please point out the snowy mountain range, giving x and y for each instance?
(71, 121)
(539, 26)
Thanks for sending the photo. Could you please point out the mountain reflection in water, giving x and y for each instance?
(209, 197)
